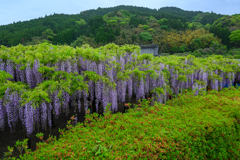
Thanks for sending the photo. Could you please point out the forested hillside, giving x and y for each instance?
(173, 29)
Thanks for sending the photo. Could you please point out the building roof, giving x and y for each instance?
(149, 46)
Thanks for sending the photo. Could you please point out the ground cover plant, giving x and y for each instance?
(189, 127)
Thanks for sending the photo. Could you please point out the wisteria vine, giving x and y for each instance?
(40, 81)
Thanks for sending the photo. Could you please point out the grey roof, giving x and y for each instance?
(149, 46)
(153, 49)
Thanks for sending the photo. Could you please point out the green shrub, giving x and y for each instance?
(164, 27)
(189, 127)
(146, 27)
(145, 36)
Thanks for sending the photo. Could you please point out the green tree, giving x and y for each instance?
(35, 40)
(117, 31)
(48, 34)
(146, 27)
(112, 23)
(222, 33)
(133, 38)
(174, 49)
(123, 23)
(196, 43)
(235, 37)
(151, 30)
(164, 27)
(110, 38)
(123, 35)
(97, 37)
(140, 26)
(81, 22)
(152, 19)
(208, 26)
(183, 48)
(145, 36)
(78, 42)
(162, 21)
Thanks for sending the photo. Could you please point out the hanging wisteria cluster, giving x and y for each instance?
(53, 76)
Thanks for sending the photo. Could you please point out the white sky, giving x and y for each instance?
(22, 10)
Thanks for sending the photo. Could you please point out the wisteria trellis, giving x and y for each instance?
(132, 73)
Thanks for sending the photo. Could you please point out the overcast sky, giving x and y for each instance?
(22, 10)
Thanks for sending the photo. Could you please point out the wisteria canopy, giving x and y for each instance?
(36, 81)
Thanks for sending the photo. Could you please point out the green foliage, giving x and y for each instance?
(162, 21)
(136, 20)
(207, 26)
(227, 21)
(151, 30)
(92, 76)
(145, 36)
(195, 25)
(123, 35)
(141, 26)
(189, 15)
(65, 37)
(190, 40)
(36, 97)
(21, 145)
(117, 31)
(105, 37)
(206, 18)
(198, 126)
(123, 23)
(133, 38)
(48, 34)
(196, 43)
(164, 27)
(46, 71)
(81, 22)
(145, 56)
(78, 42)
(222, 33)
(112, 23)
(78, 83)
(235, 37)
(9, 153)
(69, 27)
(138, 74)
(13, 87)
(195, 127)
(146, 27)
(121, 16)
(4, 76)
(102, 26)
(183, 48)
(235, 53)
(124, 76)
(215, 49)
(158, 90)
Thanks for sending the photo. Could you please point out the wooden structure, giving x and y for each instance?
(153, 49)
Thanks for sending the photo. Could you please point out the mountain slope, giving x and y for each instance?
(120, 24)
(179, 12)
